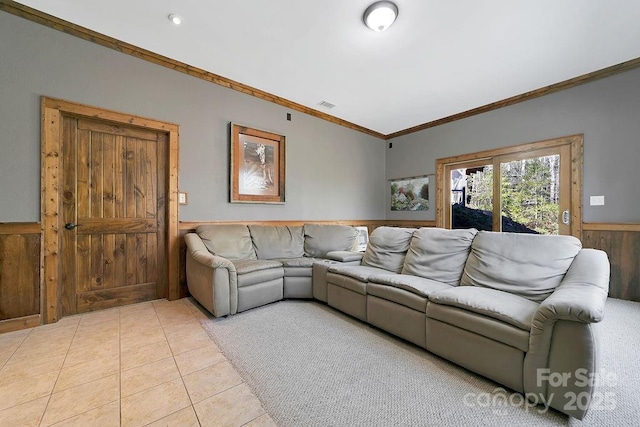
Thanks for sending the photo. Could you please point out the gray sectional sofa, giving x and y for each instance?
(519, 309)
(232, 268)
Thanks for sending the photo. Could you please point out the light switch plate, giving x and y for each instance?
(596, 200)
(183, 199)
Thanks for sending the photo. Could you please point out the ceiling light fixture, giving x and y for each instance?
(175, 19)
(380, 15)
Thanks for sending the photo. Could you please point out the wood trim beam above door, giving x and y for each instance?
(53, 111)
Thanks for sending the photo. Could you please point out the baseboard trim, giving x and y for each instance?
(19, 323)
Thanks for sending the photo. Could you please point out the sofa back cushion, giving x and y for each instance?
(272, 242)
(439, 254)
(232, 242)
(528, 265)
(387, 248)
(319, 239)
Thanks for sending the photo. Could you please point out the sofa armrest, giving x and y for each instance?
(211, 279)
(563, 342)
(581, 295)
(344, 256)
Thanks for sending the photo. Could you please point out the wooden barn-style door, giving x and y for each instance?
(113, 209)
(115, 217)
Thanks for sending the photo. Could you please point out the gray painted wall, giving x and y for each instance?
(332, 172)
(606, 111)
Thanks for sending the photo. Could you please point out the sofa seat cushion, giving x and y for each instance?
(528, 265)
(249, 266)
(352, 277)
(302, 262)
(272, 242)
(358, 272)
(479, 324)
(439, 254)
(508, 308)
(252, 272)
(387, 248)
(414, 284)
(398, 296)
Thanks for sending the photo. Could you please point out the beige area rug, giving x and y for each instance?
(311, 365)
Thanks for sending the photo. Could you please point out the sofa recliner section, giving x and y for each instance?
(515, 308)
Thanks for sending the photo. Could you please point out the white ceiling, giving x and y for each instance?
(438, 59)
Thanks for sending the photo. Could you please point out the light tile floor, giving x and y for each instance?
(143, 364)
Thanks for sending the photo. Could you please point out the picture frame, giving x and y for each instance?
(257, 166)
(410, 194)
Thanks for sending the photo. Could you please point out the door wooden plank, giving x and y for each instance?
(119, 260)
(68, 238)
(152, 257)
(109, 273)
(141, 254)
(151, 178)
(96, 175)
(97, 261)
(141, 180)
(83, 184)
(83, 275)
(130, 256)
(119, 194)
(117, 225)
(108, 298)
(108, 165)
(130, 178)
(114, 129)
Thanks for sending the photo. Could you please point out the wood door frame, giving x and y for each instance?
(52, 111)
(575, 142)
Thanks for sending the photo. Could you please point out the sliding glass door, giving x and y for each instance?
(526, 191)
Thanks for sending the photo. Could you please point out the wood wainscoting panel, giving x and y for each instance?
(622, 243)
(19, 275)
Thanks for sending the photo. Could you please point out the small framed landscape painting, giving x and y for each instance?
(410, 194)
(257, 166)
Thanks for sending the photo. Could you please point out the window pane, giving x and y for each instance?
(472, 198)
(530, 195)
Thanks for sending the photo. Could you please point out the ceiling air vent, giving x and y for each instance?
(326, 104)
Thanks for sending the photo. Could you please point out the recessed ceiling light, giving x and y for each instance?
(175, 19)
(380, 15)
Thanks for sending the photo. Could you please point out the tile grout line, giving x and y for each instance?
(173, 356)
(59, 372)
(193, 407)
(6, 362)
